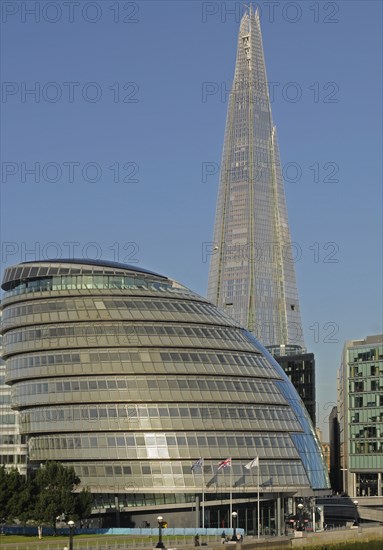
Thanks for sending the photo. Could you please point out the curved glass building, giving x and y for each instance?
(132, 378)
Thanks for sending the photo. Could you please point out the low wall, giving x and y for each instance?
(183, 531)
(321, 540)
(326, 538)
(340, 536)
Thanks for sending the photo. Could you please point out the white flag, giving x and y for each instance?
(252, 463)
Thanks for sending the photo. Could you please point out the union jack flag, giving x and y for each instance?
(224, 464)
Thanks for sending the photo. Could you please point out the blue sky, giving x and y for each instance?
(120, 119)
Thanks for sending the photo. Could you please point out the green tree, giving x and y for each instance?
(54, 484)
(84, 501)
(21, 499)
(3, 493)
(45, 495)
(12, 484)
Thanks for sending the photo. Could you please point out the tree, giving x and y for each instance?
(84, 501)
(54, 484)
(12, 484)
(4, 494)
(22, 504)
(47, 494)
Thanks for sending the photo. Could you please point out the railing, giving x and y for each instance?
(136, 532)
(118, 543)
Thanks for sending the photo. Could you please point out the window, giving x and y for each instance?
(359, 401)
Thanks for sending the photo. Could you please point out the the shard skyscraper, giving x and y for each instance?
(252, 274)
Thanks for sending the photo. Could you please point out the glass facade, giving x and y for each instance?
(13, 448)
(252, 273)
(360, 402)
(132, 383)
(301, 371)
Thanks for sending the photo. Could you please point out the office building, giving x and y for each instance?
(13, 448)
(131, 378)
(252, 274)
(360, 409)
(325, 447)
(335, 471)
(300, 368)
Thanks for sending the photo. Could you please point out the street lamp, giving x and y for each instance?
(160, 544)
(356, 520)
(321, 512)
(313, 513)
(234, 516)
(71, 527)
(300, 508)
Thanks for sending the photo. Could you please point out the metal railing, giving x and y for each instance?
(124, 543)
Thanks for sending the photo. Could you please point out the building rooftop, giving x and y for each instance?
(101, 263)
(38, 269)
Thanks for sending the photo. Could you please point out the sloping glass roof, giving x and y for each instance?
(101, 263)
(71, 266)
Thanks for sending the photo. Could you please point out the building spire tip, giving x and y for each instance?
(250, 11)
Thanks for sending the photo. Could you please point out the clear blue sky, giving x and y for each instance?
(160, 130)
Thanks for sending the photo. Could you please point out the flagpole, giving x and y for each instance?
(200, 463)
(203, 494)
(221, 465)
(258, 515)
(252, 464)
(231, 495)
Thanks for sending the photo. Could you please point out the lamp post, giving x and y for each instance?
(356, 520)
(313, 509)
(234, 516)
(71, 527)
(300, 508)
(160, 544)
(321, 516)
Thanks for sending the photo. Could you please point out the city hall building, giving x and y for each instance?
(131, 378)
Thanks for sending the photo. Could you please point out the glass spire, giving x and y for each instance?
(252, 273)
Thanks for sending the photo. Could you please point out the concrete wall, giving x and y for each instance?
(316, 539)
(340, 536)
